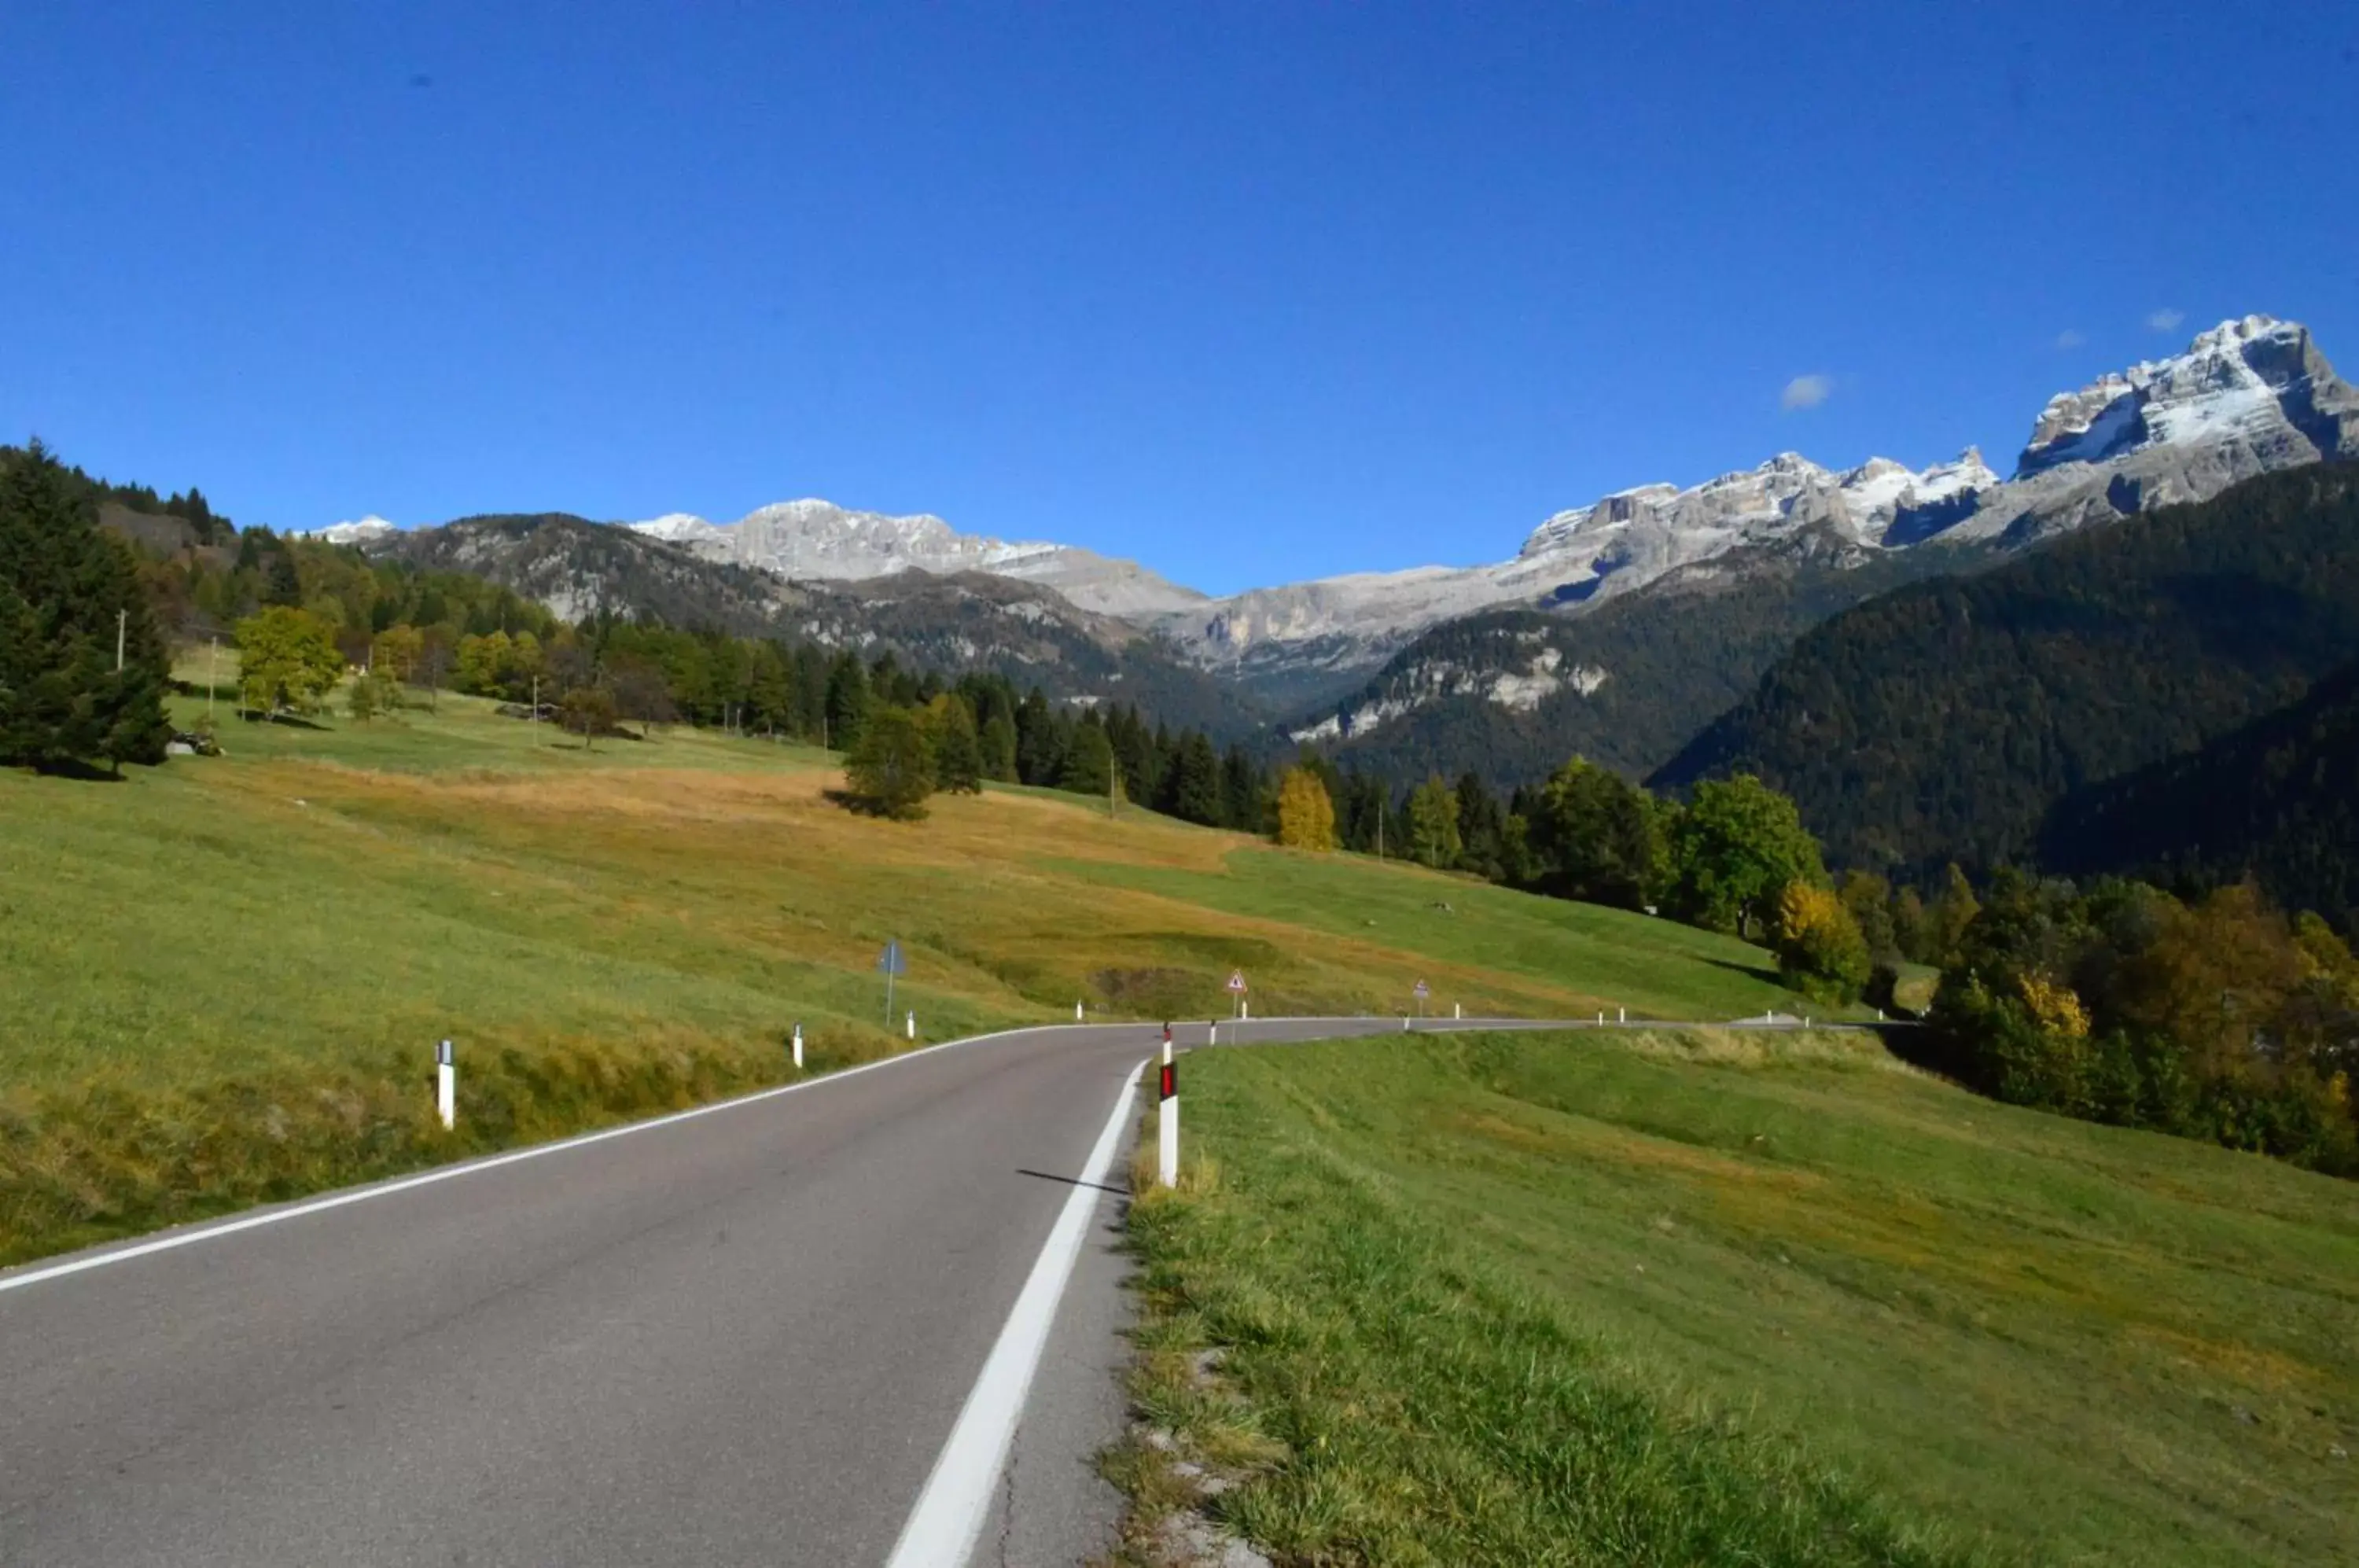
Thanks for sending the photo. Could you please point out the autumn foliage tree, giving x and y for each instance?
(1820, 952)
(2219, 1020)
(1305, 813)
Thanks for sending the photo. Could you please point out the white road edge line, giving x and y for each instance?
(950, 1513)
(469, 1168)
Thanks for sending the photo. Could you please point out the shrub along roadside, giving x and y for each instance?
(105, 1160)
(1380, 1396)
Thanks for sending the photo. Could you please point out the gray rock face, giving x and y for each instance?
(1577, 558)
(2246, 397)
(818, 540)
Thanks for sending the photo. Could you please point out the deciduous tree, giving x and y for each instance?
(286, 659)
(588, 712)
(1434, 823)
(1306, 813)
(1819, 950)
(1733, 849)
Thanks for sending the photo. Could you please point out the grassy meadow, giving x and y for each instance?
(225, 976)
(1733, 1299)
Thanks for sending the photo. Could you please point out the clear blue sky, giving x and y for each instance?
(1249, 291)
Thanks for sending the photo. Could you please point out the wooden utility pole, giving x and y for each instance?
(213, 678)
(122, 620)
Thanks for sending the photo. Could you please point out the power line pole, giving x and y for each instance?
(213, 678)
(122, 619)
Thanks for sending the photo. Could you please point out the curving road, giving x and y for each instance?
(745, 1334)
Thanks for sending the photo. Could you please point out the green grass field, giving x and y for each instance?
(213, 943)
(1738, 1298)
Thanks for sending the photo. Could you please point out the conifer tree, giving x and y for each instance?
(958, 752)
(70, 597)
(1089, 761)
(1195, 781)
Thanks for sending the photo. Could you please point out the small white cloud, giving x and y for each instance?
(1806, 392)
(2165, 321)
(2069, 338)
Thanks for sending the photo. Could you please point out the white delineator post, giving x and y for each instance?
(910, 1029)
(799, 1048)
(1457, 1009)
(1076, 1012)
(446, 1086)
(1166, 1120)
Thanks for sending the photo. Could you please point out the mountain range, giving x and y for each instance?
(1620, 627)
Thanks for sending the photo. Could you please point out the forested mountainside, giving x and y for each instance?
(952, 624)
(1947, 718)
(2277, 800)
(1513, 694)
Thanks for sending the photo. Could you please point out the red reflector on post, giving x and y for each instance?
(1169, 1086)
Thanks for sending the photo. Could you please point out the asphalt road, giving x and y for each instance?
(743, 1336)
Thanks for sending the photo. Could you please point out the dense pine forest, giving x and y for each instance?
(2277, 801)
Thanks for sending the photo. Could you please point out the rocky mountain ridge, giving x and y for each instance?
(2249, 397)
(818, 540)
(949, 621)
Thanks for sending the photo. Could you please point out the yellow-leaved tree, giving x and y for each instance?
(1819, 950)
(1306, 816)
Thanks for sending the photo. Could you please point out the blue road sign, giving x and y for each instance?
(891, 962)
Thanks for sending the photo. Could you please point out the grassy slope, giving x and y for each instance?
(322, 904)
(2053, 1340)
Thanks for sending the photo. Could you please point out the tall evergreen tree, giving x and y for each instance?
(1039, 740)
(1194, 789)
(1242, 804)
(70, 596)
(1089, 767)
(847, 701)
(957, 751)
(999, 747)
(286, 587)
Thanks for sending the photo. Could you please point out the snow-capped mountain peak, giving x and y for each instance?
(2248, 396)
(361, 530)
(2235, 379)
(675, 526)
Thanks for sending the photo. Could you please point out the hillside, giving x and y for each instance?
(2277, 799)
(266, 945)
(1515, 693)
(948, 622)
(1945, 719)
(1723, 1299)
